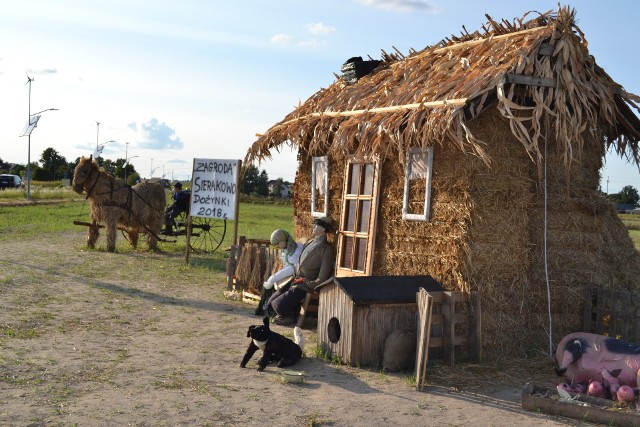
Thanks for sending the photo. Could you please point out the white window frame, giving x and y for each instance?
(314, 190)
(408, 177)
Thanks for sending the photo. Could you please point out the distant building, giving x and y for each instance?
(625, 208)
(285, 189)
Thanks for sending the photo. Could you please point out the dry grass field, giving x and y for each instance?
(92, 338)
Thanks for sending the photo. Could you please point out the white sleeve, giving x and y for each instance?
(290, 265)
(281, 274)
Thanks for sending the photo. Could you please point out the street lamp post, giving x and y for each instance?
(32, 122)
(97, 135)
(100, 147)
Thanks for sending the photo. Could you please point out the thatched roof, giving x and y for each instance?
(428, 97)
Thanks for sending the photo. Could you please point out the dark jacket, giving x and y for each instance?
(316, 263)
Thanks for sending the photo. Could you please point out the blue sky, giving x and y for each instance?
(188, 79)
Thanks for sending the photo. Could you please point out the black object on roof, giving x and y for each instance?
(386, 289)
(355, 68)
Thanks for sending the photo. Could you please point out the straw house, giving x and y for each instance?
(475, 161)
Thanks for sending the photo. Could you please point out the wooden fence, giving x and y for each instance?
(250, 263)
(455, 326)
(613, 313)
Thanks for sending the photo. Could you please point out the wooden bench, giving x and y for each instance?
(311, 302)
(309, 305)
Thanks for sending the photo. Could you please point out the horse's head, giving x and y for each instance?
(85, 168)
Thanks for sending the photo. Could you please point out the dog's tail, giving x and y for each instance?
(298, 338)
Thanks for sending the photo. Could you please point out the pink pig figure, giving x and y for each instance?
(579, 387)
(611, 382)
(595, 389)
(625, 394)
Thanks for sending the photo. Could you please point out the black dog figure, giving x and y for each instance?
(274, 346)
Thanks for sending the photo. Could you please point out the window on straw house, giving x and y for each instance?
(417, 184)
(319, 186)
(357, 225)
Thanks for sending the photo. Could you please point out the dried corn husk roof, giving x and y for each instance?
(428, 97)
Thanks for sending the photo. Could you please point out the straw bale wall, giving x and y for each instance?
(486, 233)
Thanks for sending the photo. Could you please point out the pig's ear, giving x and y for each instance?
(249, 331)
(265, 320)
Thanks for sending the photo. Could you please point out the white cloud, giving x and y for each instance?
(42, 72)
(282, 39)
(156, 135)
(403, 6)
(320, 28)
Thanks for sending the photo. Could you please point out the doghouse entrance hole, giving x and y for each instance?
(334, 330)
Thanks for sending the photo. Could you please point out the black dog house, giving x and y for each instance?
(356, 314)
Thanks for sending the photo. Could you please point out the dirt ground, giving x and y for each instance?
(91, 338)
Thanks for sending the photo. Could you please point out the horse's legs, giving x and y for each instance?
(133, 237)
(112, 228)
(154, 227)
(94, 232)
(152, 236)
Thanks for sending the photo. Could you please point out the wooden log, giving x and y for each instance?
(250, 298)
(601, 411)
(425, 310)
(376, 110)
(231, 266)
(469, 43)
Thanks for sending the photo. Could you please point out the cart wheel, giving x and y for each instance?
(180, 224)
(207, 233)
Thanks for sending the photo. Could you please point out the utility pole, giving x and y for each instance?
(97, 135)
(29, 80)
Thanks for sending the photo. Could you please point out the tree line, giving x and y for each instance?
(256, 183)
(52, 167)
(628, 196)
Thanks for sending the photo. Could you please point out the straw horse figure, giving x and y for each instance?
(135, 210)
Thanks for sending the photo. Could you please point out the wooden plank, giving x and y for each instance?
(425, 309)
(448, 310)
(439, 342)
(475, 328)
(531, 80)
(437, 297)
(250, 298)
(231, 266)
(436, 342)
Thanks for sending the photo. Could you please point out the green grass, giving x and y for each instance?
(40, 191)
(32, 220)
(29, 220)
